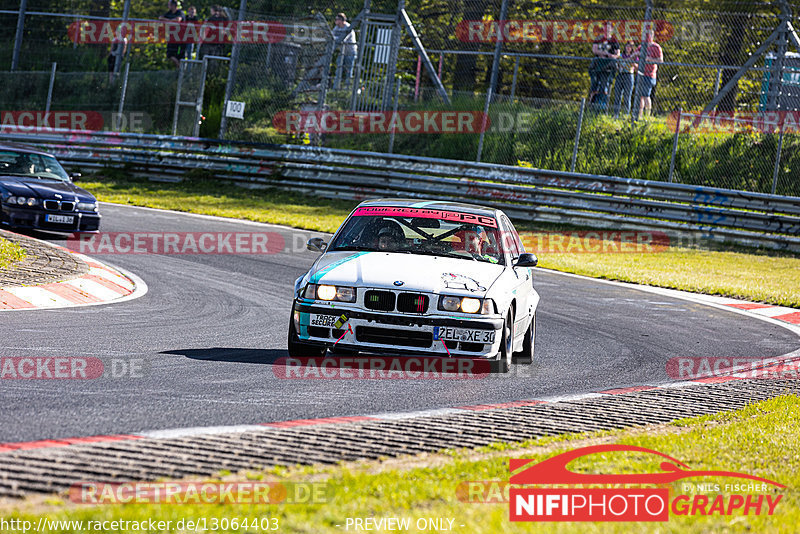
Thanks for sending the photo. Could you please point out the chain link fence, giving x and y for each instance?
(517, 74)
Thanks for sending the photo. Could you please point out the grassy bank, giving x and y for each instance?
(759, 440)
(10, 253)
(760, 276)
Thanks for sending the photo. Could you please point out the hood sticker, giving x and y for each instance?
(459, 281)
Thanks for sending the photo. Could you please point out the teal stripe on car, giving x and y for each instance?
(322, 272)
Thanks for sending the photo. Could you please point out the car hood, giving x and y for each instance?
(428, 274)
(20, 186)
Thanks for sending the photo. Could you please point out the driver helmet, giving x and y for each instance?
(389, 236)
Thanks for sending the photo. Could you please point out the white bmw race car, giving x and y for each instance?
(418, 278)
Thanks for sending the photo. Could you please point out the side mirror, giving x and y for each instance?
(316, 244)
(74, 176)
(526, 260)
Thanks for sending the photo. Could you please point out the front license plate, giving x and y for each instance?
(446, 333)
(324, 321)
(61, 219)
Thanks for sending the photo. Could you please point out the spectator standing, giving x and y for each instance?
(345, 36)
(174, 50)
(646, 81)
(623, 87)
(603, 69)
(218, 17)
(191, 18)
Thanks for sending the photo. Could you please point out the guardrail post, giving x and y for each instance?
(396, 101)
(122, 95)
(514, 78)
(181, 70)
(198, 114)
(777, 162)
(577, 136)
(498, 48)
(675, 143)
(232, 66)
(483, 124)
(717, 81)
(126, 10)
(50, 88)
(23, 4)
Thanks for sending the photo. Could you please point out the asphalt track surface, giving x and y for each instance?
(211, 327)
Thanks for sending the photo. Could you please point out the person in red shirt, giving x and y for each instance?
(647, 80)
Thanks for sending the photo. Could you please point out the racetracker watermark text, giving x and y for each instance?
(723, 122)
(70, 368)
(560, 31)
(236, 492)
(38, 121)
(155, 31)
(376, 122)
(182, 243)
(381, 368)
(699, 368)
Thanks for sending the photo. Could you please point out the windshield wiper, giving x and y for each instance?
(351, 248)
(443, 253)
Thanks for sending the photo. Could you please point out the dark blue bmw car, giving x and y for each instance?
(36, 192)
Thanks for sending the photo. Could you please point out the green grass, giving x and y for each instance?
(760, 439)
(225, 200)
(757, 276)
(748, 274)
(10, 253)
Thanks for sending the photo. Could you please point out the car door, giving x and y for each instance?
(522, 280)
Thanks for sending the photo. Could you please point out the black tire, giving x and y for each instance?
(298, 349)
(525, 356)
(503, 361)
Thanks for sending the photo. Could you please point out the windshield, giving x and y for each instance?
(34, 165)
(425, 232)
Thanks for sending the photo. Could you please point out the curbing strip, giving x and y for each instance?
(104, 284)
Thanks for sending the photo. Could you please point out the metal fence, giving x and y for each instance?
(529, 194)
(529, 91)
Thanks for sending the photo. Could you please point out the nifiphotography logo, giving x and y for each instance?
(631, 496)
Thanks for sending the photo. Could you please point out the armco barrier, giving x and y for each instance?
(754, 219)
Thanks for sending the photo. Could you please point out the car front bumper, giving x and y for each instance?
(396, 333)
(36, 218)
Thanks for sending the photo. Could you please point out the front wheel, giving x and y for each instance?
(298, 349)
(525, 356)
(506, 345)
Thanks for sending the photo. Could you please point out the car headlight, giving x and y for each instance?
(328, 292)
(22, 201)
(470, 305)
(466, 305)
(449, 303)
(87, 206)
